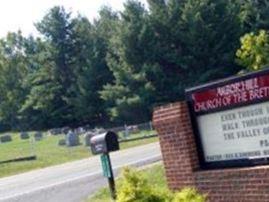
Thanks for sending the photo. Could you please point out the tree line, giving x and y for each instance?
(116, 68)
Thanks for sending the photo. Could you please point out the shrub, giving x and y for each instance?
(189, 195)
(133, 187)
(254, 51)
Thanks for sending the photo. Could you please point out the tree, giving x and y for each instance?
(13, 70)
(156, 54)
(52, 81)
(129, 96)
(254, 14)
(90, 68)
(65, 88)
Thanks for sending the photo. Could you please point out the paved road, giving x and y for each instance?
(71, 182)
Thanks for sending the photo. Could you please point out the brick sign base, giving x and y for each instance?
(172, 122)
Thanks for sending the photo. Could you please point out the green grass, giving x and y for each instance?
(47, 151)
(141, 133)
(155, 176)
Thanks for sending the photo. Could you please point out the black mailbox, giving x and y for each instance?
(104, 143)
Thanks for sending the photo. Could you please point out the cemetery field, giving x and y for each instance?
(47, 151)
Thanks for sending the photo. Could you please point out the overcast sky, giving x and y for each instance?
(21, 14)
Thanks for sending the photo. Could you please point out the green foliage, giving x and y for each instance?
(90, 68)
(254, 14)
(147, 185)
(129, 96)
(118, 67)
(134, 187)
(254, 51)
(13, 70)
(69, 70)
(155, 54)
(189, 195)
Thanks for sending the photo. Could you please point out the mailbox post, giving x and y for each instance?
(103, 144)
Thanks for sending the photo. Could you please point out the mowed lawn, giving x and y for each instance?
(47, 151)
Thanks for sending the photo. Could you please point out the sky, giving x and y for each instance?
(22, 14)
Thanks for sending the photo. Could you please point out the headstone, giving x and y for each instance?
(87, 127)
(133, 129)
(55, 131)
(79, 130)
(38, 136)
(72, 139)
(87, 138)
(99, 131)
(65, 130)
(61, 142)
(24, 135)
(5, 138)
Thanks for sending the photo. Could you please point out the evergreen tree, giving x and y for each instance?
(51, 83)
(254, 14)
(90, 68)
(129, 96)
(13, 70)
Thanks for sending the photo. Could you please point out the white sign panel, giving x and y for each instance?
(240, 133)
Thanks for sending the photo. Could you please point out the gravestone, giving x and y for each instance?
(38, 136)
(61, 142)
(79, 130)
(72, 139)
(5, 138)
(65, 130)
(55, 131)
(87, 138)
(24, 135)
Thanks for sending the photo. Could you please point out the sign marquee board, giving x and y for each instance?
(231, 120)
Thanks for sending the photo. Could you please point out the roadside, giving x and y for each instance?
(73, 181)
(49, 153)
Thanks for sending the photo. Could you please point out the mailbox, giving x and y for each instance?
(104, 143)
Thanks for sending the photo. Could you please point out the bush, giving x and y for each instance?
(189, 195)
(254, 51)
(133, 187)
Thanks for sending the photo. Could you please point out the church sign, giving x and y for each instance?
(231, 120)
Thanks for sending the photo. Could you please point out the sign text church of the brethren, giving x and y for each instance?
(218, 139)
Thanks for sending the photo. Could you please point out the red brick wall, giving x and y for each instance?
(172, 122)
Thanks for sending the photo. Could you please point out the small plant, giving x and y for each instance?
(133, 187)
(189, 195)
(254, 51)
(147, 186)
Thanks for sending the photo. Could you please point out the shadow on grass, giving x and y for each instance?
(27, 158)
